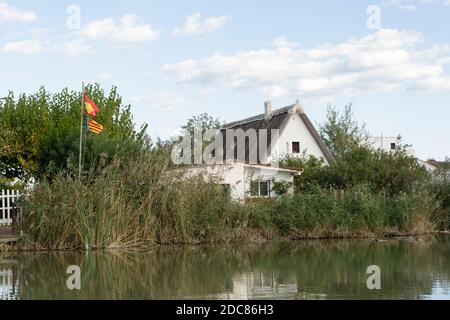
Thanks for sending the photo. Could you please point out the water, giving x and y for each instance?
(411, 268)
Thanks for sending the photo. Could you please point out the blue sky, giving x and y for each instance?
(174, 59)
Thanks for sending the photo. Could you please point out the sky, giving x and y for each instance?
(174, 59)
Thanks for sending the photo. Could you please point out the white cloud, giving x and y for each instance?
(27, 47)
(208, 91)
(194, 25)
(128, 30)
(11, 14)
(36, 46)
(38, 31)
(400, 4)
(385, 60)
(163, 100)
(411, 5)
(76, 47)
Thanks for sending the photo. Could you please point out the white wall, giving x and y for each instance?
(383, 143)
(296, 130)
(232, 174)
(253, 173)
(239, 175)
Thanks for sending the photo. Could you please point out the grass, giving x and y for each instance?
(140, 202)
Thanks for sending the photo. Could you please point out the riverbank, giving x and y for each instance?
(256, 238)
(261, 222)
(141, 202)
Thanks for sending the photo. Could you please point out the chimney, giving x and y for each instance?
(267, 110)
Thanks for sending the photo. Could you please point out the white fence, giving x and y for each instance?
(7, 197)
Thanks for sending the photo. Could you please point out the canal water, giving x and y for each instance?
(409, 268)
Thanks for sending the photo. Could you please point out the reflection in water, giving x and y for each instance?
(410, 269)
(9, 281)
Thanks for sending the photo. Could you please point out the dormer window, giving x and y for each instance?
(295, 147)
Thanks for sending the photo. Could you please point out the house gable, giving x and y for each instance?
(294, 126)
(298, 133)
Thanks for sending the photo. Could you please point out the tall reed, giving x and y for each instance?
(142, 201)
(134, 203)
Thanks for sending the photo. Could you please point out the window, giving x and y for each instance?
(254, 188)
(264, 189)
(260, 189)
(295, 147)
(393, 146)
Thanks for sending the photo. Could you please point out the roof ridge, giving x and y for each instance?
(258, 117)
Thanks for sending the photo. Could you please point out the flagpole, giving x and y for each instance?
(81, 131)
(84, 140)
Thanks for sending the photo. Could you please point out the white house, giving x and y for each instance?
(295, 135)
(385, 143)
(244, 181)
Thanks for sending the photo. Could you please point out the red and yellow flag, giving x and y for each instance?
(90, 107)
(94, 126)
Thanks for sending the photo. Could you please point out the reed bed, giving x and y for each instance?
(133, 203)
(141, 202)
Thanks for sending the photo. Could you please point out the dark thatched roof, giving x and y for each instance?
(278, 120)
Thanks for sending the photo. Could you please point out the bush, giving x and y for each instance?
(320, 213)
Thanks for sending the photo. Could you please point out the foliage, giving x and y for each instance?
(128, 203)
(138, 202)
(197, 124)
(40, 130)
(357, 162)
(318, 213)
(440, 186)
(341, 133)
(204, 121)
(131, 196)
(393, 172)
(314, 170)
(281, 187)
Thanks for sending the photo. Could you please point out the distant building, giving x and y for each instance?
(385, 143)
(439, 169)
(389, 144)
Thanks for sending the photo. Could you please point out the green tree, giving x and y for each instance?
(340, 132)
(41, 130)
(203, 121)
(357, 162)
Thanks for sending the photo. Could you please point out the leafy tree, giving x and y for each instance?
(357, 163)
(392, 172)
(202, 122)
(41, 130)
(340, 132)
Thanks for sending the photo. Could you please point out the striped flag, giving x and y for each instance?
(94, 126)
